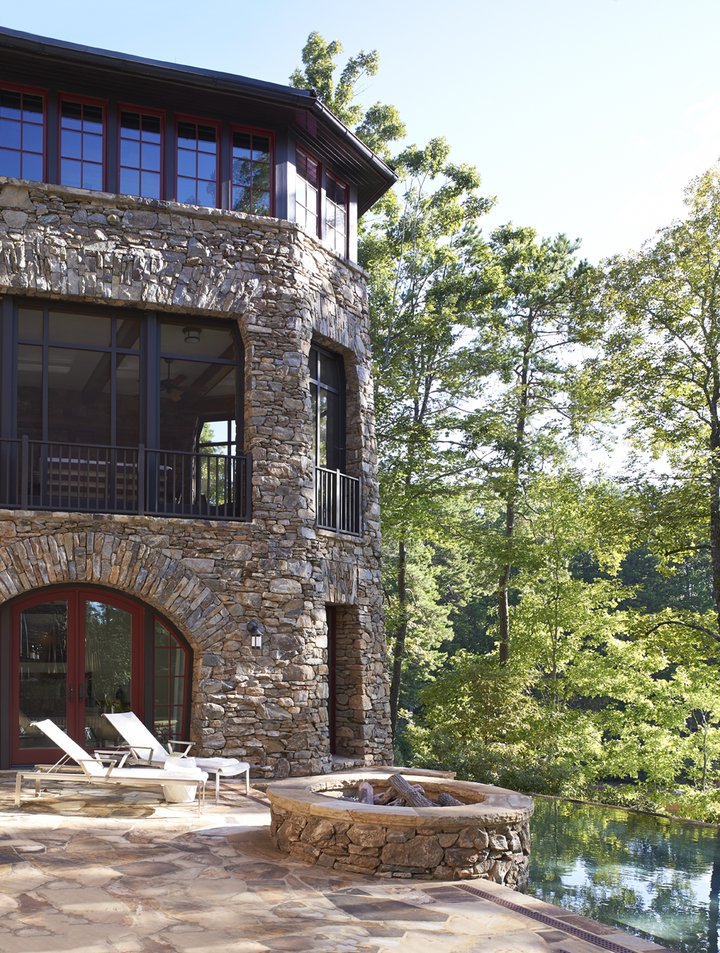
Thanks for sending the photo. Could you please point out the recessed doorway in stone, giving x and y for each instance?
(345, 677)
(71, 653)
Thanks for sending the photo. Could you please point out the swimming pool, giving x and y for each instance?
(654, 877)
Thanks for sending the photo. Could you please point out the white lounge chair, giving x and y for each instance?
(146, 749)
(88, 769)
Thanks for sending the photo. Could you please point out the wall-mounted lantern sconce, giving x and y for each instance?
(192, 335)
(255, 631)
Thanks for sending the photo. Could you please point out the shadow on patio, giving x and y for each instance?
(106, 872)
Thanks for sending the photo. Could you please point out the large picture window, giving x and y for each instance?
(22, 134)
(124, 412)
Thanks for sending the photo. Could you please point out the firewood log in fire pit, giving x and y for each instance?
(365, 793)
(390, 798)
(406, 791)
(447, 800)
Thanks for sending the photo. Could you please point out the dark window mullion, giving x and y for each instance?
(8, 350)
(45, 373)
(113, 384)
(52, 138)
(148, 683)
(152, 390)
(112, 149)
(169, 158)
(223, 163)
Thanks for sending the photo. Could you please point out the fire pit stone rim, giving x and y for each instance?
(306, 795)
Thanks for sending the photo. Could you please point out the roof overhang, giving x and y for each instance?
(306, 114)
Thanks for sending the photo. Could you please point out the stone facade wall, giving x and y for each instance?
(210, 578)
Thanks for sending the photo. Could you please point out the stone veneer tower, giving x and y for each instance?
(291, 702)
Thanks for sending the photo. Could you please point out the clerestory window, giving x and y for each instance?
(82, 144)
(141, 151)
(22, 134)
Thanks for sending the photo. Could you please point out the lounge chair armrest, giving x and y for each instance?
(106, 763)
(142, 754)
(186, 744)
(118, 756)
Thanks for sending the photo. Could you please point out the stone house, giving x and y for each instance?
(189, 522)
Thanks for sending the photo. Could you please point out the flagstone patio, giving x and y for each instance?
(98, 871)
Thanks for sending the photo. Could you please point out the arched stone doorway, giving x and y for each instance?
(71, 653)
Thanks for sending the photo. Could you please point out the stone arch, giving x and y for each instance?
(127, 565)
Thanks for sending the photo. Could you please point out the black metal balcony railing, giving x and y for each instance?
(89, 478)
(337, 501)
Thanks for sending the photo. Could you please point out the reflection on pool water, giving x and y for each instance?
(653, 877)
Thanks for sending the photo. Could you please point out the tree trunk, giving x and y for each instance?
(503, 594)
(400, 635)
(715, 530)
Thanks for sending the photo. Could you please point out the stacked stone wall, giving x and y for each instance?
(210, 578)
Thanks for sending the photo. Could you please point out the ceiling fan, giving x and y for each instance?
(173, 387)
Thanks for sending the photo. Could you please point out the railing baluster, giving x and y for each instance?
(93, 478)
(24, 471)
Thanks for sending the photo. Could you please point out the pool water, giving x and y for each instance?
(652, 877)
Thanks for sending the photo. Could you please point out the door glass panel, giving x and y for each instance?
(43, 670)
(108, 668)
(170, 685)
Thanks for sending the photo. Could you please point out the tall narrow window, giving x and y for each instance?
(336, 214)
(307, 192)
(197, 164)
(22, 134)
(82, 145)
(171, 684)
(140, 154)
(327, 393)
(251, 172)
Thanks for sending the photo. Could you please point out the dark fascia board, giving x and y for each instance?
(259, 90)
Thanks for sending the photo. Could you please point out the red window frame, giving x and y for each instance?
(217, 126)
(178, 644)
(140, 614)
(302, 151)
(141, 111)
(42, 94)
(330, 176)
(82, 101)
(266, 134)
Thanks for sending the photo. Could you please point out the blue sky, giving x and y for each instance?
(583, 116)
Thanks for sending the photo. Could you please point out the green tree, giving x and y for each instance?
(423, 256)
(663, 363)
(378, 126)
(531, 340)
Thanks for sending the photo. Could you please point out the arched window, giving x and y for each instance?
(74, 653)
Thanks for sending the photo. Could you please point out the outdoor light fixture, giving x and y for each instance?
(255, 630)
(192, 335)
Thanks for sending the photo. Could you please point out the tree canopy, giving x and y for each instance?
(551, 626)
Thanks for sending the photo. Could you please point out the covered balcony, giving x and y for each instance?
(115, 411)
(41, 475)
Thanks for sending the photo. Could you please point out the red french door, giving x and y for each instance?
(76, 653)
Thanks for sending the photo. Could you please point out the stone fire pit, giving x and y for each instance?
(487, 836)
